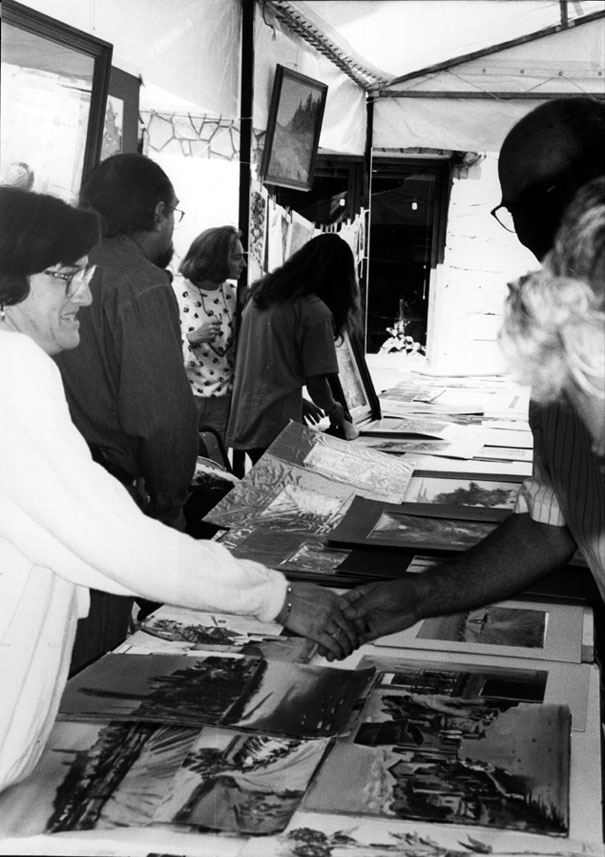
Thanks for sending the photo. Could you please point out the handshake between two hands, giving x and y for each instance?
(341, 623)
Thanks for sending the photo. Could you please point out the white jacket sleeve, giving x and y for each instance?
(66, 513)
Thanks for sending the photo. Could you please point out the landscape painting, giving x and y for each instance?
(492, 625)
(134, 774)
(434, 758)
(293, 129)
(420, 526)
(449, 674)
(96, 776)
(550, 632)
(395, 529)
(316, 834)
(273, 697)
(287, 550)
(193, 631)
(462, 492)
(240, 783)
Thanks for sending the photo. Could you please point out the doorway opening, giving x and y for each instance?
(408, 211)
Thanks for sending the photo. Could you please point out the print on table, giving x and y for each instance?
(445, 759)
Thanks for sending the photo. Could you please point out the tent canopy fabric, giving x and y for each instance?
(451, 74)
(395, 38)
(444, 74)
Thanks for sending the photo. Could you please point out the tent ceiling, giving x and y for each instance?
(391, 39)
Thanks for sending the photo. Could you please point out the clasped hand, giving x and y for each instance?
(316, 613)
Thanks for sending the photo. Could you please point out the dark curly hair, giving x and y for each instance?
(36, 231)
(125, 190)
(208, 255)
(325, 267)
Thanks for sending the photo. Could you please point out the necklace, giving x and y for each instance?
(219, 312)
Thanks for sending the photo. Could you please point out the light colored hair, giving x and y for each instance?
(553, 334)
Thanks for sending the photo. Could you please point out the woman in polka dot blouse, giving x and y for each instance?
(207, 307)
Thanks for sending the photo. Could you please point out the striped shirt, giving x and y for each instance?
(567, 486)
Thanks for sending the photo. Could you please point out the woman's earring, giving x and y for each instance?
(2, 313)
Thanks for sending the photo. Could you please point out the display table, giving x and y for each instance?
(385, 759)
(574, 684)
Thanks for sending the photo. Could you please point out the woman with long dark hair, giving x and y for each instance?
(290, 324)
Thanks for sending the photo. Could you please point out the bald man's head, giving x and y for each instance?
(544, 159)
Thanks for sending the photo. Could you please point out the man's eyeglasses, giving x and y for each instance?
(533, 197)
(75, 281)
(178, 214)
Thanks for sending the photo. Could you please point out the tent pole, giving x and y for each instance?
(366, 197)
(245, 162)
(246, 123)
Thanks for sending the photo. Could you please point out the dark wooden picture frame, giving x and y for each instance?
(293, 129)
(72, 39)
(353, 386)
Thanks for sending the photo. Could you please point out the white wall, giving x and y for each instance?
(468, 293)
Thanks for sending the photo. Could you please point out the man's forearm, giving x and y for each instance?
(519, 552)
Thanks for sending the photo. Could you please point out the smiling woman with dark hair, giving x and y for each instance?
(66, 524)
(37, 232)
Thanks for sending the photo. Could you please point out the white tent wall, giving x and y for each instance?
(468, 290)
(458, 124)
(187, 47)
(344, 123)
(570, 62)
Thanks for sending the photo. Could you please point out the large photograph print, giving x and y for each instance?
(430, 757)
(297, 108)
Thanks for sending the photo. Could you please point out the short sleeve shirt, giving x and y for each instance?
(567, 486)
(279, 348)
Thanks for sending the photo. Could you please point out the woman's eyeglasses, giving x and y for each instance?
(75, 281)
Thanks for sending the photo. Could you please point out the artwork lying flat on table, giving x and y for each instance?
(324, 835)
(505, 453)
(494, 494)
(196, 631)
(343, 461)
(371, 523)
(272, 697)
(288, 551)
(98, 776)
(428, 757)
(305, 482)
(521, 629)
(464, 447)
(519, 679)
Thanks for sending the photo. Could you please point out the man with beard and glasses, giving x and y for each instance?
(126, 386)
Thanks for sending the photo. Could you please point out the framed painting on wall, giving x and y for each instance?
(294, 125)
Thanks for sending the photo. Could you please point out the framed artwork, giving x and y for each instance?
(295, 117)
(421, 526)
(520, 629)
(121, 129)
(60, 76)
(354, 387)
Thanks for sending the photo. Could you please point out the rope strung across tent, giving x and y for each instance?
(298, 24)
